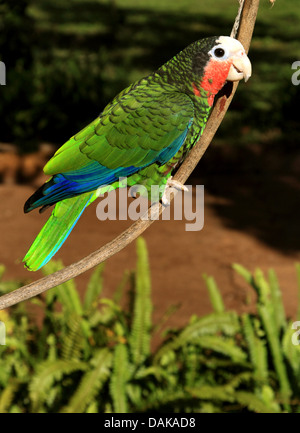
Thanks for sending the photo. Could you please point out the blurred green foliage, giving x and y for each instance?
(92, 355)
(66, 60)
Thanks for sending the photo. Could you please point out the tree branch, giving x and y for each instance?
(246, 19)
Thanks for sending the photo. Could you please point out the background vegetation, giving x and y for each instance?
(95, 356)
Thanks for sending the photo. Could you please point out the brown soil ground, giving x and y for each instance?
(251, 220)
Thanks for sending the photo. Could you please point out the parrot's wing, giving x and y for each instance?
(134, 131)
(138, 129)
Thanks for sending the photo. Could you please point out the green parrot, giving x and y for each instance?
(142, 136)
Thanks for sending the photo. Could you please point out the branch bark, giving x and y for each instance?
(246, 17)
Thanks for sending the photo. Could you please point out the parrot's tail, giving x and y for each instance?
(56, 230)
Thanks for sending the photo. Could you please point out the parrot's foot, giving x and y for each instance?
(172, 184)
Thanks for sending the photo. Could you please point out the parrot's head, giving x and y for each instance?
(229, 53)
(206, 65)
(214, 61)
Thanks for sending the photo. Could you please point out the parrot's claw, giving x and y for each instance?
(172, 184)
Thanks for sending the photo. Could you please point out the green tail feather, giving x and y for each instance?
(56, 230)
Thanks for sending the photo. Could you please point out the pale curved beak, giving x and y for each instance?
(240, 68)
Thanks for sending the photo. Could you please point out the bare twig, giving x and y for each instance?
(246, 18)
(237, 20)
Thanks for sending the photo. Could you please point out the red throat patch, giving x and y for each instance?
(215, 75)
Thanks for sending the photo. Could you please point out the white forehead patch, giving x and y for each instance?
(231, 43)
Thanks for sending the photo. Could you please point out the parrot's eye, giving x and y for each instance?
(219, 52)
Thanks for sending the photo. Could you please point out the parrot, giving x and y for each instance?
(142, 135)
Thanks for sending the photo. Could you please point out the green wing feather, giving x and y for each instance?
(131, 131)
